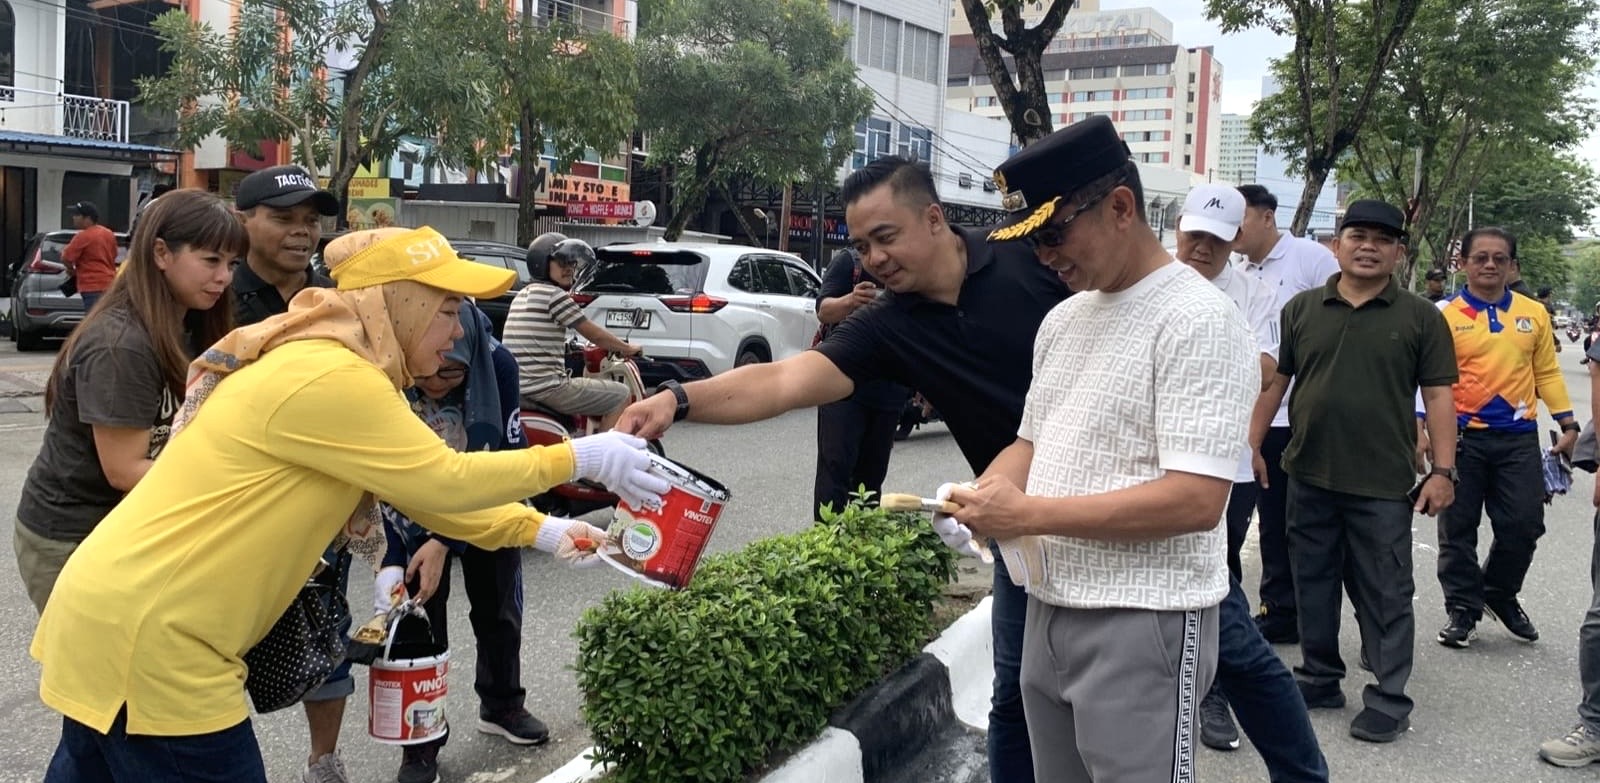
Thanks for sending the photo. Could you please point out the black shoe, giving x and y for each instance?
(1278, 628)
(1374, 726)
(1460, 631)
(419, 763)
(1216, 723)
(1321, 697)
(517, 726)
(1510, 615)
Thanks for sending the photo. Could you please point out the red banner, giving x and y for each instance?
(620, 210)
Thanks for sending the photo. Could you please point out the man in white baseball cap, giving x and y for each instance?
(1212, 215)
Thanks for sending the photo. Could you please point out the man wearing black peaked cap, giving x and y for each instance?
(1358, 349)
(1108, 504)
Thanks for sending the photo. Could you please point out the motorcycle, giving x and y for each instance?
(1572, 333)
(917, 412)
(546, 427)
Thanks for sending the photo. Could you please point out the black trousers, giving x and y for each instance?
(1500, 473)
(1348, 542)
(853, 445)
(1277, 576)
(1241, 503)
(493, 580)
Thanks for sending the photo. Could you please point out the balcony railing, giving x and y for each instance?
(574, 13)
(63, 114)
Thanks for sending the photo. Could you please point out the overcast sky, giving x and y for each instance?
(1244, 57)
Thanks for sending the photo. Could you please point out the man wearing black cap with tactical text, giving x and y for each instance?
(282, 209)
(1358, 348)
(1108, 505)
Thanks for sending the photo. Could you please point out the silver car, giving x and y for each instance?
(38, 308)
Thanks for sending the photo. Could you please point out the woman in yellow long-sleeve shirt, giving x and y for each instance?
(289, 426)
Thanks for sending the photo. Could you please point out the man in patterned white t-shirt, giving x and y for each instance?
(1132, 432)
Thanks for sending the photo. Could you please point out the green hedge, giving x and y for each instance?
(707, 683)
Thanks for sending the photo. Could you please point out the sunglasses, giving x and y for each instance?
(1054, 234)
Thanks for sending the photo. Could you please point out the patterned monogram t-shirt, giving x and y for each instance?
(1127, 386)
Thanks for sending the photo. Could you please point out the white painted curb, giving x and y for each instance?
(578, 770)
(834, 757)
(966, 649)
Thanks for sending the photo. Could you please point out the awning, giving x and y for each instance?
(74, 147)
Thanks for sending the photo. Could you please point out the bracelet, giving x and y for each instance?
(1570, 426)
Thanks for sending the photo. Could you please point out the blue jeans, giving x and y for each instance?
(1010, 755)
(89, 299)
(1264, 696)
(87, 756)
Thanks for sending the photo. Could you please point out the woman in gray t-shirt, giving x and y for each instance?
(119, 379)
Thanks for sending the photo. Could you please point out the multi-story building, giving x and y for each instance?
(1236, 156)
(68, 131)
(1272, 172)
(1165, 98)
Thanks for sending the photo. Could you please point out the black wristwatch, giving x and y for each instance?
(1449, 473)
(682, 397)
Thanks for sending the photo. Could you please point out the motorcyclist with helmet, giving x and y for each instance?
(536, 332)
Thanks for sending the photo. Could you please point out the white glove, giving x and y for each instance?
(573, 540)
(954, 534)
(620, 462)
(388, 589)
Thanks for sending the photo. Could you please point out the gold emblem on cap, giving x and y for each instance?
(1000, 181)
(1033, 222)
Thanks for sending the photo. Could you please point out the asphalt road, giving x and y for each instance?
(1480, 714)
(767, 466)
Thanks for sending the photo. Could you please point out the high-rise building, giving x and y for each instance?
(1165, 98)
(1236, 156)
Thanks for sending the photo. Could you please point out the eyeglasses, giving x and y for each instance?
(446, 374)
(1053, 234)
(1480, 259)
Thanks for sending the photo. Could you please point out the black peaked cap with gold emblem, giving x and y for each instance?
(1033, 182)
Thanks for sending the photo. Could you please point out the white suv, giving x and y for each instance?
(700, 309)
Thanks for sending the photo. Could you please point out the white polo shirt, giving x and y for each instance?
(1295, 264)
(1260, 307)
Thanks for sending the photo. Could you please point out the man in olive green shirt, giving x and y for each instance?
(1358, 349)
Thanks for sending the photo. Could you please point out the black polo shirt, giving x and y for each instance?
(1356, 371)
(256, 300)
(974, 360)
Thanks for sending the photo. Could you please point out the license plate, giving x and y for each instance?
(631, 319)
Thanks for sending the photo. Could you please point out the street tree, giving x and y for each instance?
(268, 78)
(564, 86)
(1459, 108)
(760, 89)
(1585, 280)
(1014, 59)
(1330, 79)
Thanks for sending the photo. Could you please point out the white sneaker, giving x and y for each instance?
(1577, 749)
(328, 769)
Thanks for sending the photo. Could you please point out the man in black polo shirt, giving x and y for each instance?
(958, 324)
(1358, 348)
(282, 210)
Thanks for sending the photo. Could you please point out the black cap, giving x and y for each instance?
(284, 186)
(1438, 274)
(1378, 214)
(1034, 181)
(86, 209)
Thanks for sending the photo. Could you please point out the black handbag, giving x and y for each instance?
(303, 647)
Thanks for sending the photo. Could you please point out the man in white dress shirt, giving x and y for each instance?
(1206, 231)
(1287, 265)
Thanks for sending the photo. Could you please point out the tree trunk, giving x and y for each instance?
(1031, 119)
(1315, 177)
(528, 149)
(688, 198)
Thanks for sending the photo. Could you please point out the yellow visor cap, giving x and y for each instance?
(424, 256)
